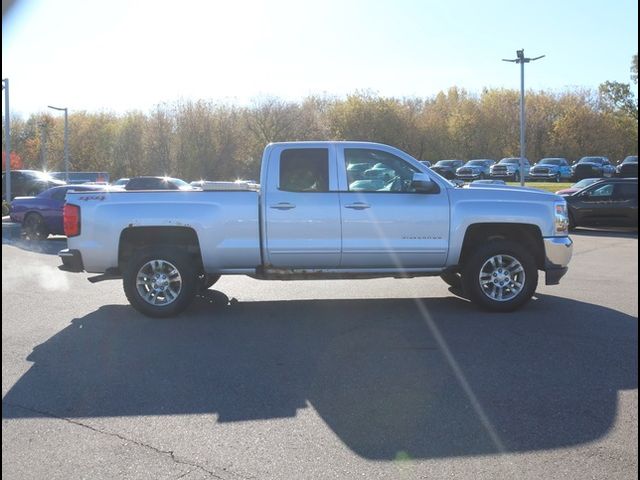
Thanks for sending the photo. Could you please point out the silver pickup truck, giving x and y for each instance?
(322, 210)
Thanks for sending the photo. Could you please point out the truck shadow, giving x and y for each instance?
(50, 246)
(397, 378)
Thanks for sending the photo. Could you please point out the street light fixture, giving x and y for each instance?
(521, 59)
(7, 142)
(66, 140)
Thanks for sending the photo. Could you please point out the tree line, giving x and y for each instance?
(216, 141)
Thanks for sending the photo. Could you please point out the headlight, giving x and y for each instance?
(561, 218)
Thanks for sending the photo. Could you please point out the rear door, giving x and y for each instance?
(625, 198)
(302, 210)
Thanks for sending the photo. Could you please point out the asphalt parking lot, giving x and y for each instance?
(333, 379)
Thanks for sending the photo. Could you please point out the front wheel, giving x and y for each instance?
(160, 282)
(500, 276)
(516, 177)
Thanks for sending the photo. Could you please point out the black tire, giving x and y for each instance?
(206, 281)
(558, 178)
(516, 177)
(183, 264)
(453, 279)
(34, 228)
(572, 222)
(474, 266)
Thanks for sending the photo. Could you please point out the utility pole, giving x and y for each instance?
(43, 146)
(66, 140)
(521, 59)
(7, 142)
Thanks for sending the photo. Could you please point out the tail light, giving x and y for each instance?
(71, 220)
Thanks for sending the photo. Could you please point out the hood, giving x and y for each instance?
(442, 167)
(503, 188)
(590, 164)
(507, 165)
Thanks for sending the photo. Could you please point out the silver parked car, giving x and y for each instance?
(477, 169)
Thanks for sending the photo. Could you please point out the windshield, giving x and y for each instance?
(591, 160)
(509, 161)
(446, 163)
(41, 175)
(551, 161)
(585, 182)
(179, 183)
(633, 159)
(476, 163)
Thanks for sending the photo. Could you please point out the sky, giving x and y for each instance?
(124, 55)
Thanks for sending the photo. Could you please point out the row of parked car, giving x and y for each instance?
(552, 169)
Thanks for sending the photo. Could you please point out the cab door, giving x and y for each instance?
(385, 223)
(301, 208)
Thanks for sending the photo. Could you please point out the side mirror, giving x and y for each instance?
(422, 183)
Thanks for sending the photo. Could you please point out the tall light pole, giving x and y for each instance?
(522, 60)
(66, 140)
(7, 142)
(43, 145)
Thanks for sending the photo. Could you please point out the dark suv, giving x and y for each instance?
(610, 202)
(29, 183)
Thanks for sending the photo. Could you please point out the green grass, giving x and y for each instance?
(548, 186)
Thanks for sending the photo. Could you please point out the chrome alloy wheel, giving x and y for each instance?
(158, 282)
(502, 278)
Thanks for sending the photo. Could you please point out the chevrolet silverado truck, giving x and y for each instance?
(306, 220)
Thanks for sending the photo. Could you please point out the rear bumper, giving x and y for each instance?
(71, 260)
(558, 252)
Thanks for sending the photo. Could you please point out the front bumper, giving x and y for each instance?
(502, 174)
(71, 260)
(471, 176)
(558, 252)
(544, 176)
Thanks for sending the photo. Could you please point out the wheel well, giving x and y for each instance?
(527, 235)
(133, 238)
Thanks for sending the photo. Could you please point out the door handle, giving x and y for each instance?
(283, 206)
(358, 206)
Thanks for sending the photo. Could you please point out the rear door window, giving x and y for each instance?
(626, 191)
(304, 170)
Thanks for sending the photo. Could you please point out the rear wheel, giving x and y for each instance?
(34, 228)
(160, 282)
(500, 276)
